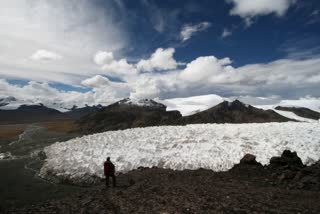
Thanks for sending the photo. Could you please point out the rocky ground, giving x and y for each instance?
(284, 186)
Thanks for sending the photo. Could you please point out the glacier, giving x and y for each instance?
(211, 146)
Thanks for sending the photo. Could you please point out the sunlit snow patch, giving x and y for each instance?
(287, 114)
(191, 105)
(211, 146)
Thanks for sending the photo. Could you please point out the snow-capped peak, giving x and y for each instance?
(142, 102)
(6, 100)
(237, 103)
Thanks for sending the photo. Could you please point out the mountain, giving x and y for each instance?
(234, 112)
(301, 111)
(128, 113)
(131, 114)
(6, 100)
(77, 113)
(41, 113)
(145, 103)
(30, 114)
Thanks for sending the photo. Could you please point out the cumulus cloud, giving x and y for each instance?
(96, 81)
(103, 88)
(208, 69)
(249, 9)
(161, 59)
(189, 30)
(44, 55)
(103, 57)
(119, 68)
(36, 92)
(50, 30)
(209, 74)
(206, 75)
(281, 77)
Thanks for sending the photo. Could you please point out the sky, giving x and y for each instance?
(99, 51)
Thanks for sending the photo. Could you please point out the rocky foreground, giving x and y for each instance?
(284, 186)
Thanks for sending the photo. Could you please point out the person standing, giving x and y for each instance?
(109, 171)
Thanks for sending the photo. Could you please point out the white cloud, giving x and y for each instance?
(249, 9)
(96, 81)
(287, 77)
(226, 33)
(153, 85)
(44, 55)
(204, 75)
(105, 90)
(103, 57)
(208, 69)
(189, 30)
(207, 75)
(35, 92)
(73, 29)
(161, 59)
(119, 68)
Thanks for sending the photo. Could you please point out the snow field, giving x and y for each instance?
(211, 146)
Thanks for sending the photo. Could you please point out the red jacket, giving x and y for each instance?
(109, 168)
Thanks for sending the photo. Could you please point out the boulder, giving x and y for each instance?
(249, 159)
(287, 159)
(247, 164)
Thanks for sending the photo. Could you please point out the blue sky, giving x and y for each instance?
(267, 39)
(108, 49)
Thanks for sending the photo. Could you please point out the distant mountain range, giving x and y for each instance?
(41, 113)
(128, 113)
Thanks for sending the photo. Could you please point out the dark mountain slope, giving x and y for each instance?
(77, 113)
(301, 111)
(126, 114)
(234, 112)
(30, 114)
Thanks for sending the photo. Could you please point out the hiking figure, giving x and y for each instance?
(109, 171)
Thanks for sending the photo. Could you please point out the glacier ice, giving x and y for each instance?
(211, 146)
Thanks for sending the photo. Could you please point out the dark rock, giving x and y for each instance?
(289, 170)
(249, 159)
(287, 175)
(287, 159)
(248, 164)
(131, 182)
(42, 155)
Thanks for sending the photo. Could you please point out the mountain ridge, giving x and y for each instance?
(125, 114)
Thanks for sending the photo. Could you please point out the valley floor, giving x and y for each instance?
(252, 189)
